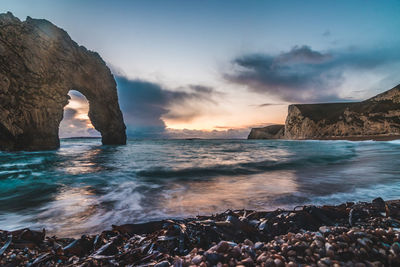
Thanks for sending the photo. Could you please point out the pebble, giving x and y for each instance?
(258, 245)
(212, 258)
(197, 259)
(279, 263)
(162, 264)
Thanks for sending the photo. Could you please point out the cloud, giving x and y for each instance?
(268, 105)
(69, 113)
(326, 33)
(303, 74)
(222, 132)
(75, 119)
(145, 105)
(142, 103)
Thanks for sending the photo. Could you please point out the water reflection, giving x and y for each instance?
(85, 187)
(205, 197)
(84, 163)
(68, 213)
(84, 158)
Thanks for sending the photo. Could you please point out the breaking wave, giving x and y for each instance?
(84, 187)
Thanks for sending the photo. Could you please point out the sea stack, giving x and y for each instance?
(39, 65)
(377, 118)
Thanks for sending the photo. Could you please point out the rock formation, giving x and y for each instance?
(276, 131)
(376, 118)
(39, 65)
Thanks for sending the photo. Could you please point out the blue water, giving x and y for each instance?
(84, 187)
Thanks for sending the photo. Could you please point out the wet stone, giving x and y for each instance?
(223, 246)
(197, 259)
(258, 245)
(297, 239)
(162, 264)
(212, 257)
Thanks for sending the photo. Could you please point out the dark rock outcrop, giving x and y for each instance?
(377, 118)
(39, 65)
(276, 131)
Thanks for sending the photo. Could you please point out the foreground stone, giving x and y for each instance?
(361, 234)
(39, 65)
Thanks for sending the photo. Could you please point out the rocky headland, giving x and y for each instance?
(350, 234)
(377, 118)
(39, 65)
(275, 131)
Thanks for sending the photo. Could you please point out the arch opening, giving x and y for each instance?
(76, 121)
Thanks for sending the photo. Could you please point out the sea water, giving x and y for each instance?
(85, 187)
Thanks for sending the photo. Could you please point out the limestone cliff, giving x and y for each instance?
(275, 131)
(39, 65)
(375, 118)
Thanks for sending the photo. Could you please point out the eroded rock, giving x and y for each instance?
(276, 131)
(376, 118)
(39, 65)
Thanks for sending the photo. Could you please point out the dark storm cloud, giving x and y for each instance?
(303, 74)
(144, 104)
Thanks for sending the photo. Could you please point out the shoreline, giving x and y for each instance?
(353, 234)
(365, 138)
(340, 138)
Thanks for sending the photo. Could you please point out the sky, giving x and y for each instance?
(214, 69)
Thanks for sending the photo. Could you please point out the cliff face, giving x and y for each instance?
(39, 65)
(374, 118)
(276, 131)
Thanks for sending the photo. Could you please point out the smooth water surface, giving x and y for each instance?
(84, 187)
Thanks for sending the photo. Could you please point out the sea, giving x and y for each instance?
(84, 187)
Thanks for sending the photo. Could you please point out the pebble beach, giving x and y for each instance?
(350, 234)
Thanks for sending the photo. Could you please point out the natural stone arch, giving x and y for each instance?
(39, 65)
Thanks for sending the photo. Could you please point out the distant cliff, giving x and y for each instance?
(276, 131)
(375, 118)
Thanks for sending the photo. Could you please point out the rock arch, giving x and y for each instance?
(39, 65)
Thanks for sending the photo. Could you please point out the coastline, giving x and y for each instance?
(364, 138)
(340, 138)
(353, 234)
